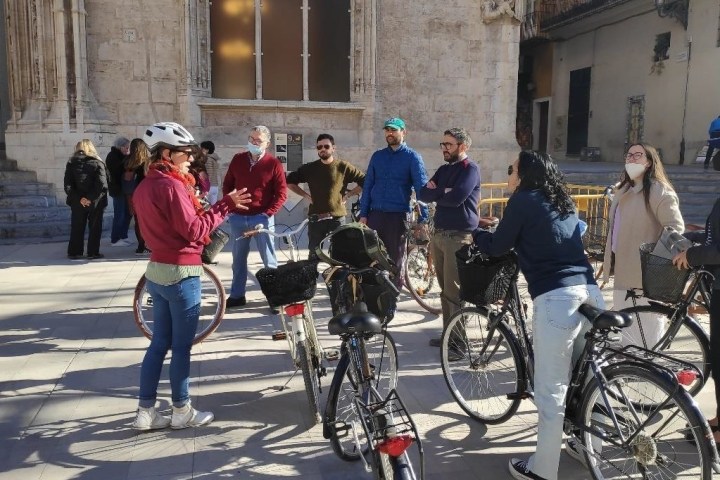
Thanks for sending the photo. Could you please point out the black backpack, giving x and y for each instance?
(356, 245)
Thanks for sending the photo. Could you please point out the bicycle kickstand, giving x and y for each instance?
(280, 389)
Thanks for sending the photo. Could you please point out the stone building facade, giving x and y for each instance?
(101, 68)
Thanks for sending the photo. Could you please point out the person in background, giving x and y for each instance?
(455, 188)
(391, 176)
(86, 187)
(176, 228)
(713, 141)
(135, 168)
(644, 203)
(540, 223)
(328, 179)
(263, 176)
(121, 214)
(707, 253)
(214, 171)
(202, 180)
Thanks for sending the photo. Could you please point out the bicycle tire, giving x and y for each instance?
(340, 410)
(392, 468)
(662, 445)
(421, 280)
(309, 373)
(690, 344)
(212, 306)
(471, 379)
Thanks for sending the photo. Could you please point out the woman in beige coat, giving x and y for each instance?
(643, 204)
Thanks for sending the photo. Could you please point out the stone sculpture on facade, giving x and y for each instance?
(494, 9)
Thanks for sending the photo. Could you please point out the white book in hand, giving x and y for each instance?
(670, 244)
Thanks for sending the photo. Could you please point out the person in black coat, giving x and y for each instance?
(121, 212)
(86, 188)
(707, 253)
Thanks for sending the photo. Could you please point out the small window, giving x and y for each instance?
(662, 47)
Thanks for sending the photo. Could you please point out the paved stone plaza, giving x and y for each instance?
(70, 358)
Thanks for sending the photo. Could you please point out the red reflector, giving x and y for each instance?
(686, 377)
(395, 446)
(295, 309)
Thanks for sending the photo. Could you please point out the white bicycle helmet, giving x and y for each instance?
(169, 135)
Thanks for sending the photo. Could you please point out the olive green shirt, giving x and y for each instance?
(328, 184)
(166, 274)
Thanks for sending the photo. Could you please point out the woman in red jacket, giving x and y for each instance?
(175, 228)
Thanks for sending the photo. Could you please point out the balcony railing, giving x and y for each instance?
(546, 14)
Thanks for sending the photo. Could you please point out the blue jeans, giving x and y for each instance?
(176, 311)
(558, 340)
(265, 244)
(121, 218)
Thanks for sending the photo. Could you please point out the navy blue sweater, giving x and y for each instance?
(549, 248)
(457, 208)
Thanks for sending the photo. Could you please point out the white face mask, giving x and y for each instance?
(635, 170)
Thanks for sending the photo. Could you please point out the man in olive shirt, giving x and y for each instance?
(327, 179)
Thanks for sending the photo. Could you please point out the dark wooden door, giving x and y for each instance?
(578, 110)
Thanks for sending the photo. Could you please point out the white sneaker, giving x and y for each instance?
(574, 449)
(150, 419)
(187, 416)
(120, 243)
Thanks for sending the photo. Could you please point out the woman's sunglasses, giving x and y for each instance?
(510, 170)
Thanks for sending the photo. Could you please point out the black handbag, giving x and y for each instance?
(218, 239)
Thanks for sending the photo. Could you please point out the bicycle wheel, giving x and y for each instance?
(340, 412)
(420, 278)
(309, 372)
(480, 368)
(392, 468)
(690, 343)
(647, 441)
(212, 306)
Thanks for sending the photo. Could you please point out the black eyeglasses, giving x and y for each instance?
(324, 147)
(187, 153)
(448, 145)
(510, 170)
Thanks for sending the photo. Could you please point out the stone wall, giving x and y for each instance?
(437, 65)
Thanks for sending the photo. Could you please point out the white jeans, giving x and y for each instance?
(653, 326)
(558, 339)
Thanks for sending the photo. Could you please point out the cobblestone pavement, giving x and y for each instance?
(70, 358)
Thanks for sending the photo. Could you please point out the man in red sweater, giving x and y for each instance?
(264, 177)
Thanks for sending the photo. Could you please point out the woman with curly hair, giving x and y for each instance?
(136, 166)
(644, 203)
(540, 223)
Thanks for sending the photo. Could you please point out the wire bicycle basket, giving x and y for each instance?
(484, 280)
(661, 280)
(293, 282)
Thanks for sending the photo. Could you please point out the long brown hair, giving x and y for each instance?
(654, 172)
(139, 155)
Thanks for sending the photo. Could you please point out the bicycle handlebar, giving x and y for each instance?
(382, 276)
(288, 233)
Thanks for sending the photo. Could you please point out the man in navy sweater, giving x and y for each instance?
(455, 189)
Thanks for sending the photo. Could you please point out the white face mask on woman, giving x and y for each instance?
(635, 170)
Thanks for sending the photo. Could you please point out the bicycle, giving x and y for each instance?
(363, 397)
(420, 277)
(212, 306)
(290, 288)
(684, 338)
(627, 405)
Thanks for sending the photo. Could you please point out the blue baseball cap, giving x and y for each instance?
(395, 122)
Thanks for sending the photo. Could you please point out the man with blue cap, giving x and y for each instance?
(391, 176)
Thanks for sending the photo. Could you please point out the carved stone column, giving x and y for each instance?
(195, 83)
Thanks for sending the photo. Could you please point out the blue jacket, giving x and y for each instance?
(456, 209)
(549, 248)
(714, 133)
(390, 178)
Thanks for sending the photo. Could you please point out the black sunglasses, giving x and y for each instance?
(324, 147)
(510, 170)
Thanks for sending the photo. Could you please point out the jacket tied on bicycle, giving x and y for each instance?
(638, 224)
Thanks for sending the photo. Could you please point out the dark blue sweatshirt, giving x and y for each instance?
(457, 208)
(549, 248)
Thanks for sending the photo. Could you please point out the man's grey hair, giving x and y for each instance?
(264, 131)
(121, 142)
(461, 135)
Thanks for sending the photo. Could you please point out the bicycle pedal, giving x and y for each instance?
(332, 355)
(519, 396)
(279, 335)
